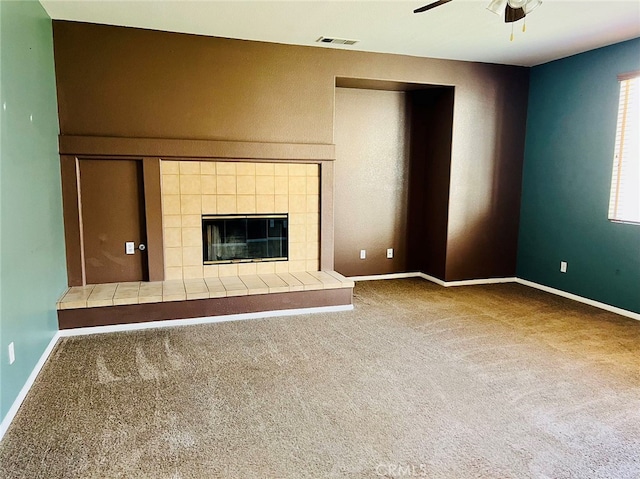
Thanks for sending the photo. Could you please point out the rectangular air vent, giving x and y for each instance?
(336, 41)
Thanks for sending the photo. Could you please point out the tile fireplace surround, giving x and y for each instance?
(190, 189)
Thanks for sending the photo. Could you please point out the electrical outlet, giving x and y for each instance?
(563, 266)
(363, 254)
(389, 253)
(130, 247)
(12, 353)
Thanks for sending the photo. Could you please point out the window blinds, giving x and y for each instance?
(624, 203)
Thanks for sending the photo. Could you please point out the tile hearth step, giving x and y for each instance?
(146, 302)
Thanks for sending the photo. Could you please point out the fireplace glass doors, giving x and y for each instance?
(244, 238)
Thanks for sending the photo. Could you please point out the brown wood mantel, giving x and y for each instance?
(179, 148)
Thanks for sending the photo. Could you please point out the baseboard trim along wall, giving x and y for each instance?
(531, 284)
(27, 385)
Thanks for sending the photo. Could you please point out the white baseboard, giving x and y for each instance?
(27, 385)
(203, 320)
(467, 282)
(581, 299)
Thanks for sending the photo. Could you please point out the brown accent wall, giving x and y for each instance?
(124, 82)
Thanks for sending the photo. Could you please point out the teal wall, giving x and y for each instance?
(32, 258)
(571, 125)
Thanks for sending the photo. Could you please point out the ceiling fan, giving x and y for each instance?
(514, 10)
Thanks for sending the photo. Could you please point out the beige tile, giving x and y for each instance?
(76, 297)
(169, 167)
(312, 219)
(266, 267)
(313, 170)
(246, 203)
(191, 237)
(297, 218)
(312, 265)
(281, 185)
(150, 299)
(228, 270)
(297, 251)
(265, 185)
(209, 204)
(293, 283)
(189, 168)
(226, 185)
(172, 237)
(281, 204)
(208, 167)
(297, 203)
(295, 266)
(297, 233)
(172, 221)
(328, 281)
(297, 185)
(226, 204)
(190, 204)
(313, 204)
(170, 184)
(192, 221)
(312, 233)
(274, 283)
(245, 168)
(247, 269)
(246, 185)
(126, 293)
(215, 287)
(297, 169)
(208, 184)
(313, 186)
(173, 256)
(265, 169)
(282, 267)
(254, 284)
(190, 272)
(346, 283)
(210, 271)
(170, 204)
(310, 283)
(192, 256)
(150, 292)
(234, 286)
(281, 169)
(173, 290)
(190, 185)
(102, 295)
(226, 168)
(173, 272)
(312, 251)
(196, 289)
(265, 203)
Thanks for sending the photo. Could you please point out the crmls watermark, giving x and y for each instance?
(401, 470)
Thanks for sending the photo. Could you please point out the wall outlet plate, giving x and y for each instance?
(363, 254)
(563, 266)
(389, 253)
(130, 247)
(12, 353)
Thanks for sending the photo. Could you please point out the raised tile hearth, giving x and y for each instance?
(119, 303)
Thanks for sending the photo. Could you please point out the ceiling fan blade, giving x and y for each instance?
(513, 14)
(430, 6)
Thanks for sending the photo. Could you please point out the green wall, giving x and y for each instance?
(571, 125)
(32, 258)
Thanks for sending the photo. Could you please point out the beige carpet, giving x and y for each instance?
(494, 381)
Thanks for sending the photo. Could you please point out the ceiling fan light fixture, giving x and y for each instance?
(497, 6)
(530, 5)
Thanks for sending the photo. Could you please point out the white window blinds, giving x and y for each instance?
(624, 202)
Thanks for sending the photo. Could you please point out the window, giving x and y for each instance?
(624, 202)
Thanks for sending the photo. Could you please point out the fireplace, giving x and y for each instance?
(245, 238)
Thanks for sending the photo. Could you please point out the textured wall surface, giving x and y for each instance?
(571, 129)
(32, 269)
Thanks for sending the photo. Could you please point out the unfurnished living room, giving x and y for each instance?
(320, 239)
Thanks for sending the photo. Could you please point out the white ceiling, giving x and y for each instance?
(460, 30)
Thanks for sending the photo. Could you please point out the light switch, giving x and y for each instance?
(130, 247)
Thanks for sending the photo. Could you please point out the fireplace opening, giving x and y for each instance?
(245, 238)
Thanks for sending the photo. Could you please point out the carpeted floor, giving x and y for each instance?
(496, 381)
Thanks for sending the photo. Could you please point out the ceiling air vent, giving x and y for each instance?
(336, 41)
